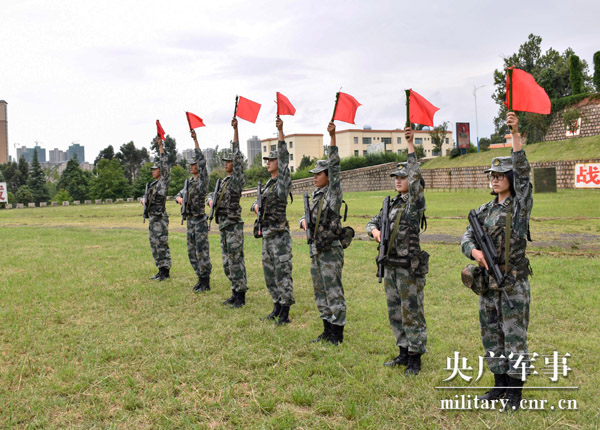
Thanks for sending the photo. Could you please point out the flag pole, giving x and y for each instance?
(236, 103)
(510, 92)
(337, 97)
(407, 107)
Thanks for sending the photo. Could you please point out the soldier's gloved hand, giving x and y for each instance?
(376, 235)
(478, 256)
(179, 200)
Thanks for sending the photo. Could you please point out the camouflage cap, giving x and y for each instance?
(273, 155)
(227, 156)
(155, 165)
(472, 277)
(321, 166)
(195, 159)
(401, 170)
(500, 164)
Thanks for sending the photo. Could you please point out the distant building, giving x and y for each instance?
(209, 154)
(360, 142)
(27, 153)
(188, 154)
(3, 132)
(76, 149)
(253, 149)
(298, 146)
(57, 156)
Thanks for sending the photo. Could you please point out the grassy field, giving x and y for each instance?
(87, 341)
(584, 148)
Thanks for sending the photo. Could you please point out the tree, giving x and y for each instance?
(111, 182)
(37, 180)
(550, 70)
(170, 147)
(597, 71)
(75, 181)
(438, 137)
(132, 159)
(575, 75)
(143, 177)
(216, 161)
(62, 196)
(24, 195)
(306, 162)
(13, 177)
(178, 177)
(484, 144)
(107, 153)
(24, 169)
(419, 151)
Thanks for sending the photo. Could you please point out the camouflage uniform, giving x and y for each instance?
(197, 228)
(404, 285)
(504, 330)
(326, 252)
(277, 242)
(158, 228)
(228, 215)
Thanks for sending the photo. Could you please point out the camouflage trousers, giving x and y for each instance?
(158, 231)
(405, 302)
(232, 253)
(504, 330)
(326, 272)
(277, 267)
(197, 245)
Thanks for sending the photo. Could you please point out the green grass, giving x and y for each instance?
(584, 148)
(87, 341)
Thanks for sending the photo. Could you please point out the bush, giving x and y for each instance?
(24, 195)
(62, 196)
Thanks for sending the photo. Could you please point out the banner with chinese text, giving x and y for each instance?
(3, 193)
(587, 175)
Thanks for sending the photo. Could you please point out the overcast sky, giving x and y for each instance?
(101, 73)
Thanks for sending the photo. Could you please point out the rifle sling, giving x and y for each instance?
(319, 213)
(394, 232)
(507, 234)
(221, 195)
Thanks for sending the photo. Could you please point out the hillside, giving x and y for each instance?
(571, 149)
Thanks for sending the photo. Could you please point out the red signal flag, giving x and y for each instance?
(346, 108)
(527, 95)
(194, 121)
(421, 111)
(159, 130)
(284, 106)
(247, 109)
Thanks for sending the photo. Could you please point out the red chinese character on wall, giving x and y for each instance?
(589, 175)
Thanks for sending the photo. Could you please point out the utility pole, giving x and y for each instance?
(475, 88)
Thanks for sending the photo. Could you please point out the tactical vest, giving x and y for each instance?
(229, 207)
(330, 225)
(274, 216)
(518, 246)
(195, 200)
(406, 243)
(157, 202)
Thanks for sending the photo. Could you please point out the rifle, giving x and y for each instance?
(184, 202)
(384, 243)
(214, 199)
(485, 245)
(307, 220)
(146, 204)
(260, 206)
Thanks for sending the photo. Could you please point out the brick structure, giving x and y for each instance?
(590, 120)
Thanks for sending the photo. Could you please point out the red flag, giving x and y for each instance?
(345, 109)
(159, 130)
(194, 121)
(527, 95)
(421, 111)
(284, 106)
(247, 109)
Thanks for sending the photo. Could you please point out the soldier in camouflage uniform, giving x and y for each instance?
(194, 213)
(326, 252)
(405, 265)
(228, 214)
(504, 329)
(277, 242)
(158, 227)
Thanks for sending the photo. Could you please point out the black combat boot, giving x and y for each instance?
(337, 334)
(499, 390)
(202, 285)
(414, 365)
(230, 300)
(275, 313)
(326, 332)
(163, 274)
(155, 277)
(240, 300)
(514, 392)
(401, 360)
(284, 315)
